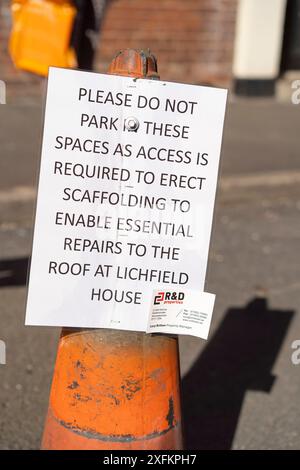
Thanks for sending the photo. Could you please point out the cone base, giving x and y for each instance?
(57, 436)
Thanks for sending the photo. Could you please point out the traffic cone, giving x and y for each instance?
(116, 389)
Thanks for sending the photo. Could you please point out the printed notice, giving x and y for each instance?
(126, 195)
(185, 312)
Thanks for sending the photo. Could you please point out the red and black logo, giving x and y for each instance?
(168, 297)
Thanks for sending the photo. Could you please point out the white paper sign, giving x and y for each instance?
(126, 195)
(185, 312)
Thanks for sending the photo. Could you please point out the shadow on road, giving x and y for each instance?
(13, 272)
(239, 357)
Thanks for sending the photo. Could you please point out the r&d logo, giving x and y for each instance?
(169, 298)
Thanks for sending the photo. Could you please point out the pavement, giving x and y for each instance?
(240, 389)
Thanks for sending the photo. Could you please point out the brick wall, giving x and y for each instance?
(192, 39)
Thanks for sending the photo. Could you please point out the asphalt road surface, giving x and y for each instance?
(240, 389)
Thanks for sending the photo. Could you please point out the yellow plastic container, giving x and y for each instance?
(41, 35)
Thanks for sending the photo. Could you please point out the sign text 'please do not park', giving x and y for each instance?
(126, 195)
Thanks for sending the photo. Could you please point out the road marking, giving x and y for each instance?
(272, 178)
(267, 179)
(18, 194)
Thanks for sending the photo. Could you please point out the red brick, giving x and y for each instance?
(192, 39)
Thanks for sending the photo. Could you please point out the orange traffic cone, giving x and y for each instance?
(116, 389)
